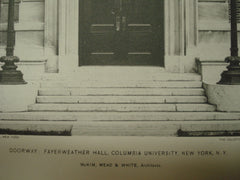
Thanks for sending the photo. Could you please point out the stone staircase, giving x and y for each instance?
(162, 96)
(156, 104)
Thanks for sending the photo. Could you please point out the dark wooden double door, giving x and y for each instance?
(121, 32)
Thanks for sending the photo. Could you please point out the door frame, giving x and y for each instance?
(180, 30)
(82, 42)
(80, 33)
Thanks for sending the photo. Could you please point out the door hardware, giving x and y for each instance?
(118, 23)
(124, 23)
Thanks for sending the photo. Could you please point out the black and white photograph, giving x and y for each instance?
(119, 89)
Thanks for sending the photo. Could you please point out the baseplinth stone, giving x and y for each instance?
(225, 97)
(16, 98)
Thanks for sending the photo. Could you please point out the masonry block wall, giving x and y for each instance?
(214, 29)
(29, 18)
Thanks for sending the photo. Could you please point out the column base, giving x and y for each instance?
(11, 77)
(230, 78)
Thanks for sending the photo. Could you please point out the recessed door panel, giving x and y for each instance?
(121, 32)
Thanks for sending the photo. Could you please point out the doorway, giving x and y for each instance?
(121, 32)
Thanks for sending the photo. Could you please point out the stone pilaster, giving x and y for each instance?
(68, 35)
(51, 34)
(180, 34)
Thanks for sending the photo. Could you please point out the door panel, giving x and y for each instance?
(121, 32)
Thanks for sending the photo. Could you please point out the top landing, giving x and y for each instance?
(120, 73)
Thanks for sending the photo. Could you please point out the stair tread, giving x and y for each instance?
(122, 73)
(124, 84)
(122, 107)
(123, 116)
(121, 99)
(120, 91)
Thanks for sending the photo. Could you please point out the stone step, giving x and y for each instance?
(119, 116)
(121, 91)
(122, 73)
(123, 84)
(129, 128)
(121, 99)
(123, 107)
(166, 128)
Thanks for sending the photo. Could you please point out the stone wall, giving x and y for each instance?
(214, 29)
(29, 18)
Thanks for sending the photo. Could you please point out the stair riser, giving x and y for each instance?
(123, 107)
(120, 99)
(121, 92)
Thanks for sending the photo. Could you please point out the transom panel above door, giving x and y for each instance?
(121, 32)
